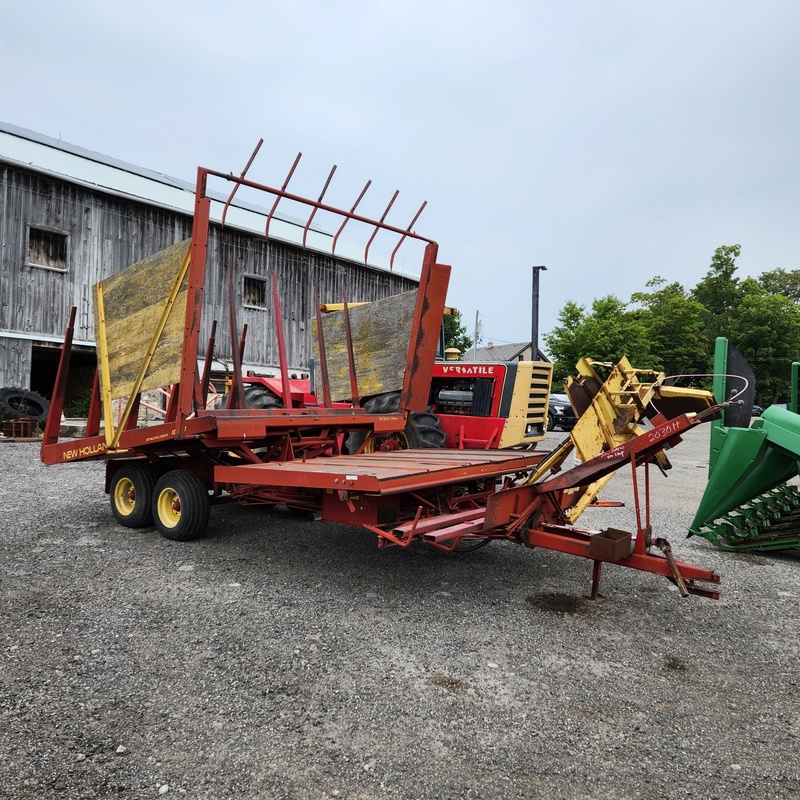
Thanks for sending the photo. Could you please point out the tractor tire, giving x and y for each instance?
(260, 397)
(181, 506)
(23, 403)
(387, 403)
(131, 494)
(255, 397)
(423, 429)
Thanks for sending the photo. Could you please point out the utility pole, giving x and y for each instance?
(475, 342)
(535, 312)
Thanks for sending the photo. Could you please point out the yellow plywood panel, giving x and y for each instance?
(133, 302)
(380, 331)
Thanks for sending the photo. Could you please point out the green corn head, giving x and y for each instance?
(748, 504)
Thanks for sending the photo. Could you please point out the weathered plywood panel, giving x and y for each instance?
(380, 333)
(133, 302)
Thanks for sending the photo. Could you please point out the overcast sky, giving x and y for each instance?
(610, 141)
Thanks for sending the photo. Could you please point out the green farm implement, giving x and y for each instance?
(748, 503)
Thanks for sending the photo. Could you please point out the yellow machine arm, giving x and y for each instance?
(609, 413)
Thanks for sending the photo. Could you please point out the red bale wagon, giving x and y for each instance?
(169, 474)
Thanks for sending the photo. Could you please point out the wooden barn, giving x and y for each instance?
(70, 218)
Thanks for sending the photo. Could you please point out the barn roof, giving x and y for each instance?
(501, 352)
(74, 164)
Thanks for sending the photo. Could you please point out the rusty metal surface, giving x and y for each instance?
(425, 328)
(381, 473)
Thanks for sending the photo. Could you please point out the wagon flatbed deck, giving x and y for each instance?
(382, 473)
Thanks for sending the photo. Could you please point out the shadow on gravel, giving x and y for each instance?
(272, 547)
(556, 602)
(752, 558)
(675, 664)
(769, 559)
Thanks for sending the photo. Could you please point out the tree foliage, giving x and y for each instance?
(455, 334)
(606, 333)
(675, 328)
(669, 328)
(781, 281)
(768, 336)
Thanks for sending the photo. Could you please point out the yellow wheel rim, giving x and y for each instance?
(169, 508)
(125, 496)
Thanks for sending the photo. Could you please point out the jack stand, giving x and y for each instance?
(595, 595)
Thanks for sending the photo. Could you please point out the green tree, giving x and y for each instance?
(720, 292)
(607, 333)
(768, 336)
(455, 334)
(781, 281)
(675, 328)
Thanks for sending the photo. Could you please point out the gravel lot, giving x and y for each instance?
(284, 658)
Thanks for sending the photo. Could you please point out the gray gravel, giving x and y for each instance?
(284, 658)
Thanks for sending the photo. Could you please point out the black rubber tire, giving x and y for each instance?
(551, 422)
(387, 403)
(260, 397)
(255, 396)
(423, 429)
(181, 506)
(131, 494)
(23, 403)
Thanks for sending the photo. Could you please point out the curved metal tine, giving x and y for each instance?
(206, 377)
(278, 198)
(284, 367)
(237, 185)
(323, 361)
(377, 227)
(351, 358)
(236, 392)
(315, 209)
(408, 230)
(347, 218)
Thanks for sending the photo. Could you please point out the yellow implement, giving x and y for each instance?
(609, 413)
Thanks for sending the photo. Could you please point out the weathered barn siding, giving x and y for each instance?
(104, 233)
(15, 362)
(107, 233)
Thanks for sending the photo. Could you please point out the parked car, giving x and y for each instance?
(560, 413)
(757, 411)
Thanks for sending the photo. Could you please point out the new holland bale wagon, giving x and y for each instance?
(170, 474)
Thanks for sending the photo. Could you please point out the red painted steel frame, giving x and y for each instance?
(638, 452)
(187, 417)
(427, 318)
(425, 330)
(577, 542)
(189, 393)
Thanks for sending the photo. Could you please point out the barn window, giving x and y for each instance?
(255, 292)
(47, 249)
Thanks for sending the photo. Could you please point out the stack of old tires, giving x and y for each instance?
(23, 404)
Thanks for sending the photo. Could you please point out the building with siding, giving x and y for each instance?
(70, 217)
